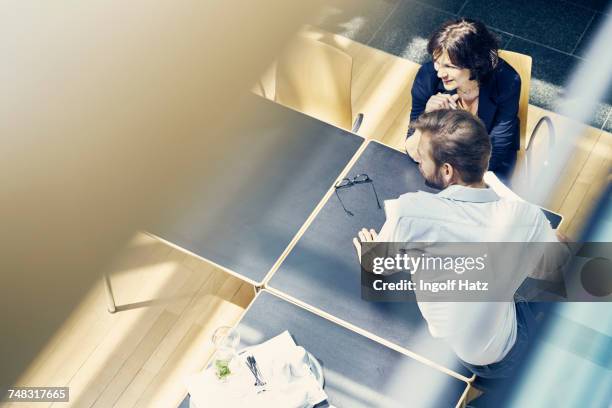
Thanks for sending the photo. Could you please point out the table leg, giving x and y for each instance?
(110, 299)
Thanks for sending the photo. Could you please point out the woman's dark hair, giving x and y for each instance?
(469, 45)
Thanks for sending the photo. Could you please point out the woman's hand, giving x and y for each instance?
(441, 101)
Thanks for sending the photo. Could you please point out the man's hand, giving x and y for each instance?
(364, 235)
(441, 101)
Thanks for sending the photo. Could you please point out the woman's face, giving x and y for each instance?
(451, 75)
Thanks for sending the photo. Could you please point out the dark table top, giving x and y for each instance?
(358, 371)
(322, 270)
(283, 165)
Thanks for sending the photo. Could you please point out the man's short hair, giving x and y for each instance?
(459, 139)
(469, 45)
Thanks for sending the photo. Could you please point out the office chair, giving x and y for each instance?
(315, 78)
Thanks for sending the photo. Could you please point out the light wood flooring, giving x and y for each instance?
(169, 305)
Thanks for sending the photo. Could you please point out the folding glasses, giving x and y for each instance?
(347, 182)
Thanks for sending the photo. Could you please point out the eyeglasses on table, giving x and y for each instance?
(348, 182)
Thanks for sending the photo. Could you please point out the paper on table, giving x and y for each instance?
(282, 388)
(207, 391)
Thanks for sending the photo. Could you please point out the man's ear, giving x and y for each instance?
(448, 173)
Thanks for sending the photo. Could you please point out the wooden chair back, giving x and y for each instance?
(315, 78)
(522, 64)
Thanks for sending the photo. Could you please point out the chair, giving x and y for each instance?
(315, 78)
(533, 152)
(521, 64)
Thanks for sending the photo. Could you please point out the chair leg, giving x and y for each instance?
(110, 298)
(551, 130)
(358, 121)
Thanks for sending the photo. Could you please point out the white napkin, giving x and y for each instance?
(289, 381)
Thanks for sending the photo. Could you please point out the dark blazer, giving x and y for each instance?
(498, 104)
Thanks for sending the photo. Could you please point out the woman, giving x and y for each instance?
(466, 73)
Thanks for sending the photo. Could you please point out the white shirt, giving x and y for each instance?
(479, 333)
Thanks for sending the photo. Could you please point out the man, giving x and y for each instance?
(453, 155)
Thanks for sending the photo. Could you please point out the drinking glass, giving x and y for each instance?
(225, 360)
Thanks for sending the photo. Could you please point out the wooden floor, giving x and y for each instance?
(169, 305)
